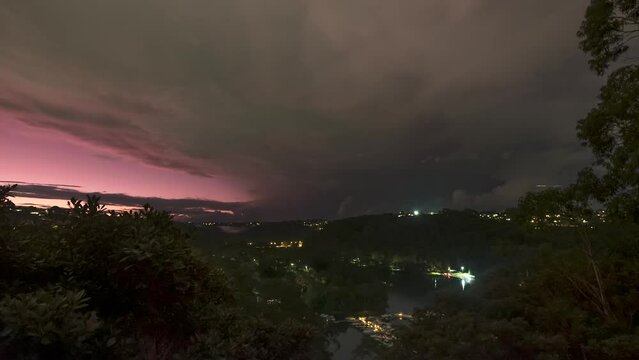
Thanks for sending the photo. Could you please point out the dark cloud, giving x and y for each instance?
(184, 209)
(396, 104)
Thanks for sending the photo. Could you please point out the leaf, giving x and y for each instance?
(111, 342)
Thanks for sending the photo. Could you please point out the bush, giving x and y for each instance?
(48, 321)
(97, 282)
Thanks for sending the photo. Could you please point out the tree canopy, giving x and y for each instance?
(609, 30)
(91, 283)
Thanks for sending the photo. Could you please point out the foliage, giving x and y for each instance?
(611, 129)
(49, 321)
(5, 193)
(80, 274)
(265, 340)
(550, 207)
(607, 29)
(540, 309)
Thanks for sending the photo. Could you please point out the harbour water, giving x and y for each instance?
(405, 295)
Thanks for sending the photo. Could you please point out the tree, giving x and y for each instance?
(611, 129)
(92, 283)
(606, 31)
(5, 194)
(552, 206)
(49, 321)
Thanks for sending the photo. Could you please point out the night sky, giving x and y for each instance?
(291, 109)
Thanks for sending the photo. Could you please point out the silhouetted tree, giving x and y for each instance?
(611, 129)
(92, 283)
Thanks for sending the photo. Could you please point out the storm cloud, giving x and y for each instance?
(303, 104)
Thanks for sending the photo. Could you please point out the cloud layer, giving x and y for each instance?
(301, 105)
(27, 194)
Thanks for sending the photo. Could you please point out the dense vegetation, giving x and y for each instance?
(88, 283)
(611, 129)
(345, 268)
(564, 300)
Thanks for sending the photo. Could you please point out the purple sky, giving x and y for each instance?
(293, 109)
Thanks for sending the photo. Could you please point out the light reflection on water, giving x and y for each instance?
(406, 295)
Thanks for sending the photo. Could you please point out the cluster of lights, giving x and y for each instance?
(317, 225)
(558, 220)
(465, 277)
(414, 213)
(370, 324)
(494, 216)
(287, 244)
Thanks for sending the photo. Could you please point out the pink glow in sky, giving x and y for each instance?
(46, 203)
(306, 109)
(34, 155)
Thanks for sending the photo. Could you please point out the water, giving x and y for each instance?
(409, 292)
(346, 344)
